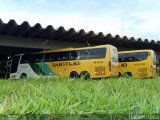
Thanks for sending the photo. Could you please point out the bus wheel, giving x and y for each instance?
(129, 74)
(85, 75)
(74, 74)
(119, 74)
(23, 76)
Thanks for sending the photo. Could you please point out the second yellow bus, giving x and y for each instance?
(137, 63)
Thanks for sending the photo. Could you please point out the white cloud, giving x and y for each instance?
(143, 24)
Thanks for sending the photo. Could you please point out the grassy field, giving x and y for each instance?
(76, 96)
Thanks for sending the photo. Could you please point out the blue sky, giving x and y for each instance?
(141, 18)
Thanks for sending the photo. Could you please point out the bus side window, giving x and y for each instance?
(142, 55)
(35, 58)
(63, 56)
(47, 57)
(121, 58)
(26, 59)
(97, 53)
(84, 54)
(73, 55)
(53, 57)
(130, 57)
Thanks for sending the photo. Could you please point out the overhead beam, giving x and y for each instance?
(12, 41)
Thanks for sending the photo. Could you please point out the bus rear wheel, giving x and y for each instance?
(85, 75)
(119, 74)
(74, 74)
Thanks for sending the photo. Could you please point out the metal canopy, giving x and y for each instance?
(25, 30)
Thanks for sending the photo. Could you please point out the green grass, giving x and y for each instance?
(69, 96)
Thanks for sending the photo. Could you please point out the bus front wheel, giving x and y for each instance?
(129, 74)
(85, 75)
(23, 76)
(74, 74)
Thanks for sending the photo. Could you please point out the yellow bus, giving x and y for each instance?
(88, 62)
(137, 63)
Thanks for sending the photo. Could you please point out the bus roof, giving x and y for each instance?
(133, 51)
(79, 48)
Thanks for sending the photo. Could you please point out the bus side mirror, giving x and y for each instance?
(9, 63)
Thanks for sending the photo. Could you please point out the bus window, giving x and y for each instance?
(142, 56)
(130, 57)
(121, 58)
(53, 56)
(36, 58)
(46, 57)
(32, 58)
(72, 55)
(26, 59)
(97, 53)
(84, 54)
(62, 56)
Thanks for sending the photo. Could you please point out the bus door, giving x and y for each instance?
(14, 66)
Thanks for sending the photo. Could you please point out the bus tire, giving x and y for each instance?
(129, 74)
(85, 75)
(74, 74)
(23, 76)
(119, 74)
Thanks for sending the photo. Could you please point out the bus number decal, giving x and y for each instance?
(139, 64)
(98, 62)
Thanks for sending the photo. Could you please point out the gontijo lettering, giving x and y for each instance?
(76, 63)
